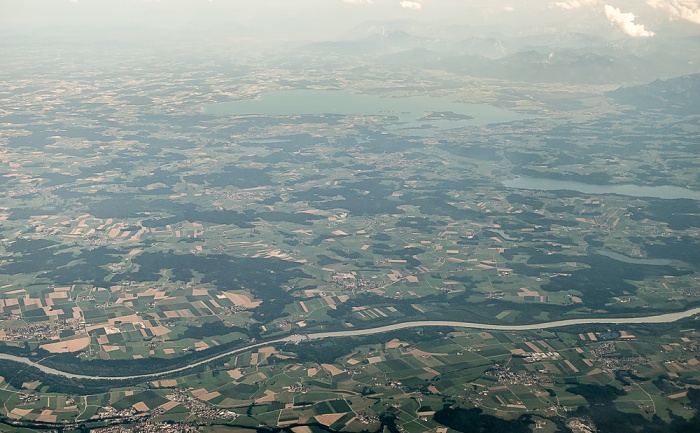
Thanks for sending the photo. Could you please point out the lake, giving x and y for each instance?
(622, 258)
(410, 111)
(663, 192)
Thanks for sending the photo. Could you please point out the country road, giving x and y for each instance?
(663, 318)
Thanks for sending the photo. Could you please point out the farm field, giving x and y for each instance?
(196, 217)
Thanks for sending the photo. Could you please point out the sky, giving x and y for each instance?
(333, 19)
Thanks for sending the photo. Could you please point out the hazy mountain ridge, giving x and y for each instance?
(565, 57)
(562, 67)
(680, 95)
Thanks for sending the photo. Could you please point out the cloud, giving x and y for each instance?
(625, 21)
(574, 4)
(416, 6)
(684, 9)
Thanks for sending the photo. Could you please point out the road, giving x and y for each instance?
(663, 318)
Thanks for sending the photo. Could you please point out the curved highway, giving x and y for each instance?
(662, 318)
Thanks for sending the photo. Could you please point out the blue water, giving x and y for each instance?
(663, 192)
(407, 110)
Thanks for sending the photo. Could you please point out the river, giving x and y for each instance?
(662, 318)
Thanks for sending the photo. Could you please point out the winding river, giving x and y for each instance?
(662, 318)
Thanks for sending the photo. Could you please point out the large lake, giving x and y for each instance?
(663, 192)
(410, 111)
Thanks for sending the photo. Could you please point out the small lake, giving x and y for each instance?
(412, 112)
(663, 192)
(622, 258)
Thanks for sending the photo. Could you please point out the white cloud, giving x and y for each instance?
(625, 20)
(684, 9)
(574, 4)
(416, 6)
